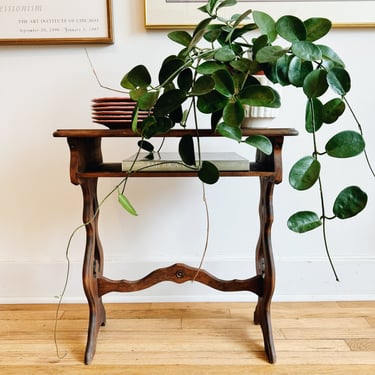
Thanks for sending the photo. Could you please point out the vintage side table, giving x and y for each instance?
(86, 166)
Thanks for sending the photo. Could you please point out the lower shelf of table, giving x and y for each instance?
(114, 170)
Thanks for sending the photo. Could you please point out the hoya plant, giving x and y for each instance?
(214, 73)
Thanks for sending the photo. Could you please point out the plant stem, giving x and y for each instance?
(97, 77)
(361, 131)
(321, 193)
(67, 249)
(324, 229)
(198, 138)
(125, 180)
(207, 231)
(161, 145)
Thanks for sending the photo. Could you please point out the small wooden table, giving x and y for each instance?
(86, 166)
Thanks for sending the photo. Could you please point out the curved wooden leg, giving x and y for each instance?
(92, 266)
(265, 266)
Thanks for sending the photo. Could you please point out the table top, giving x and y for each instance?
(99, 133)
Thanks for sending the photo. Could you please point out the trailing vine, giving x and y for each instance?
(215, 73)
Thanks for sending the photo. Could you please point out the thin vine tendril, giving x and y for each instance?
(67, 257)
(321, 193)
(361, 131)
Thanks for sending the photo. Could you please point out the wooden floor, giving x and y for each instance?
(202, 338)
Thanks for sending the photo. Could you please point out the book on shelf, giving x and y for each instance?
(171, 161)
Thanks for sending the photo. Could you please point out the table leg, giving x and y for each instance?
(92, 265)
(265, 266)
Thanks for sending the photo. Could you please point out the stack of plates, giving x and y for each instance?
(115, 113)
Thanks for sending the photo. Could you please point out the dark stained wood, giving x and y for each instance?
(86, 166)
(92, 265)
(181, 273)
(105, 133)
(265, 265)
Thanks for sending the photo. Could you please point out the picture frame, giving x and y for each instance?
(168, 14)
(55, 22)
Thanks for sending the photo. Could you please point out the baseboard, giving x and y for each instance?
(298, 279)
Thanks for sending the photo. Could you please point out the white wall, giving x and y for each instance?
(48, 87)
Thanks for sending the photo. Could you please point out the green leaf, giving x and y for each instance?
(233, 113)
(242, 65)
(149, 126)
(201, 27)
(215, 118)
(185, 79)
(332, 110)
(350, 202)
(135, 120)
(339, 80)
(298, 71)
(198, 33)
(259, 43)
(209, 67)
(282, 70)
(345, 144)
(225, 54)
(304, 173)
(148, 100)
(145, 145)
(266, 25)
(170, 68)
(168, 102)
(155, 125)
(135, 94)
(203, 85)
(258, 95)
(276, 101)
(228, 131)
(241, 17)
(291, 28)
(211, 4)
(126, 204)
(306, 50)
(209, 174)
(241, 30)
(181, 37)
(304, 221)
(238, 19)
(270, 72)
(211, 102)
(317, 27)
(330, 57)
(315, 83)
(136, 77)
(203, 9)
(314, 115)
(227, 3)
(270, 54)
(177, 115)
(164, 124)
(251, 80)
(261, 142)
(186, 149)
(224, 83)
(213, 33)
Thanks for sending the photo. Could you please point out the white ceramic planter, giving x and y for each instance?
(259, 117)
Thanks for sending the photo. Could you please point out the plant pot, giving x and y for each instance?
(259, 117)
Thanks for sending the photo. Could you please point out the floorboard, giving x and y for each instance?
(335, 338)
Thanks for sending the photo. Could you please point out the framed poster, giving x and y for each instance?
(164, 14)
(55, 21)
